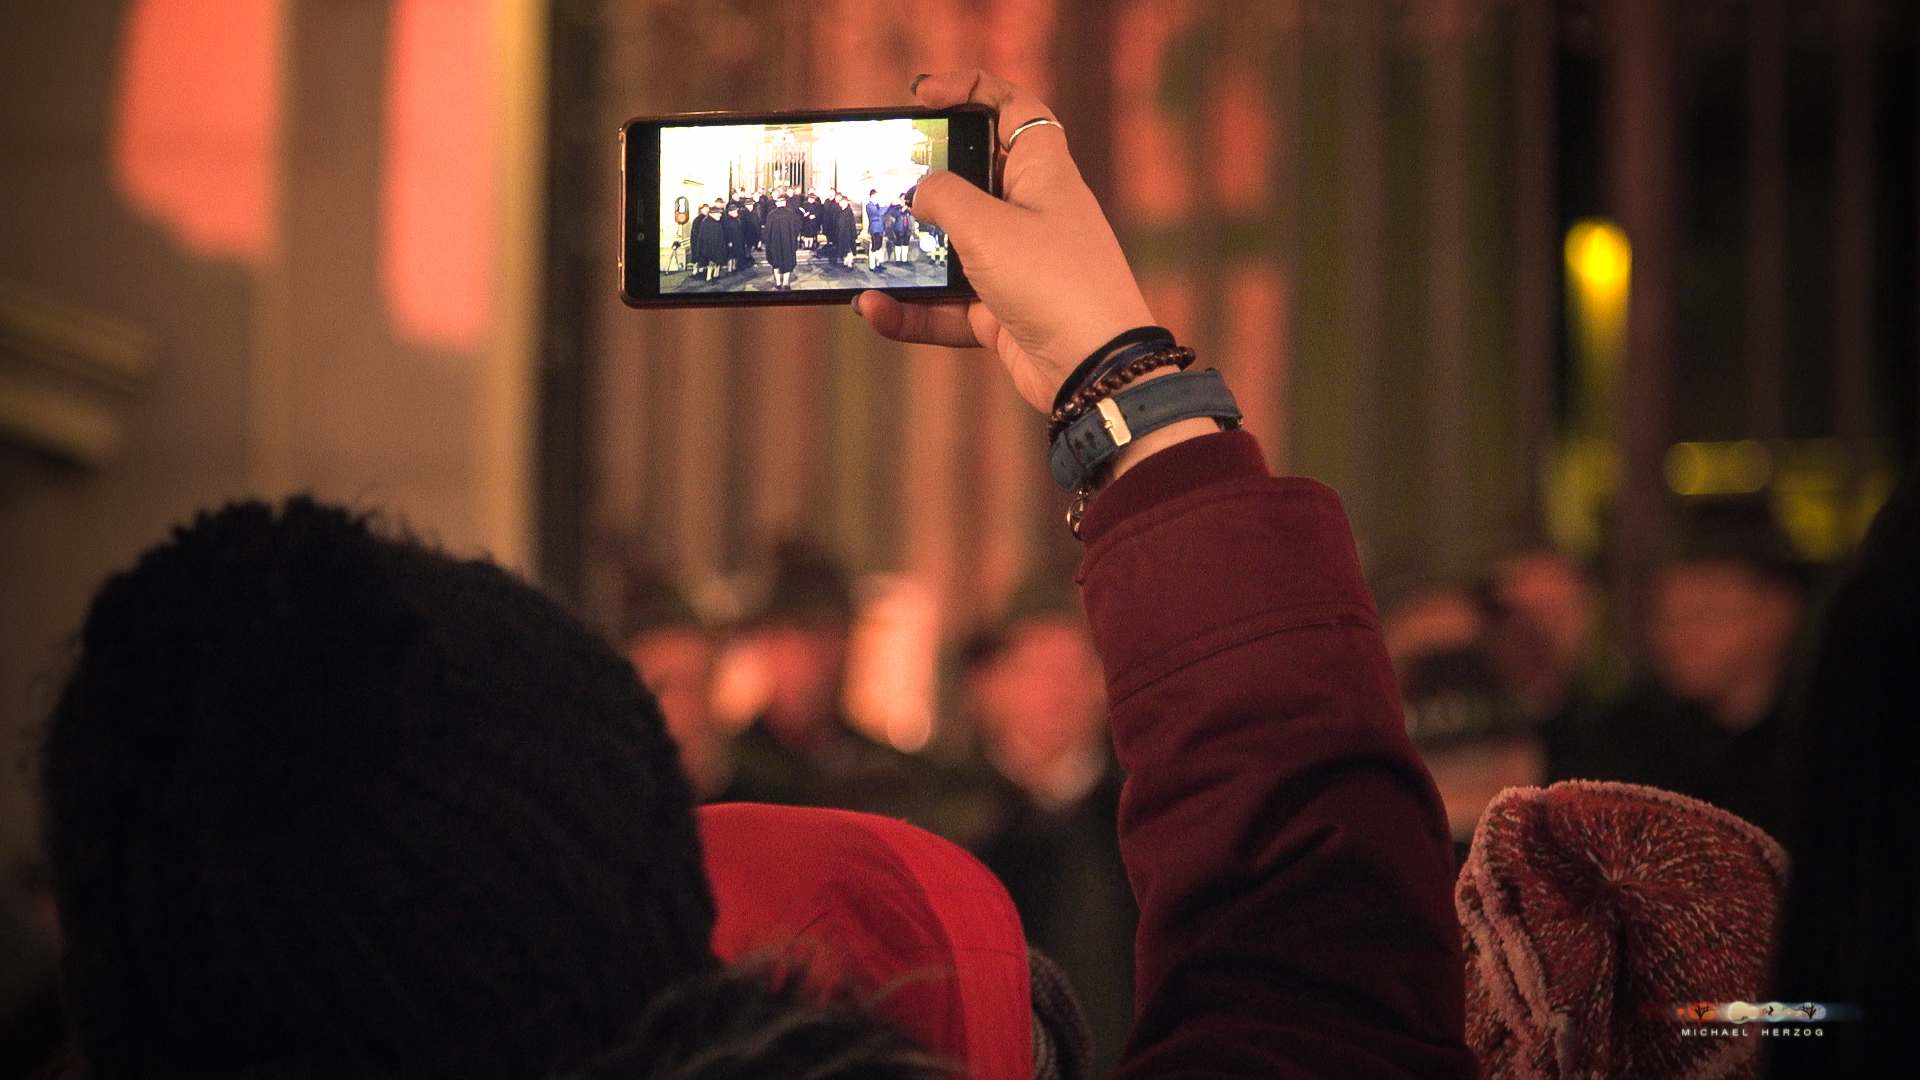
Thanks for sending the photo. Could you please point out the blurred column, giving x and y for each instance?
(859, 61)
(1245, 138)
(1000, 433)
(1641, 181)
(928, 466)
(1254, 352)
(1853, 254)
(788, 418)
(854, 396)
(1009, 442)
(1083, 34)
(622, 395)
(1019, 43)
(1362, 275)
(700, 440)
(1766, 168)
(1536, 269)
(1447, 26)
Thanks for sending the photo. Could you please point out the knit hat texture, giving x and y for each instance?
(322, 801)
(1592, 912)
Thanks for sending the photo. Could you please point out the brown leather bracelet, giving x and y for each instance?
(1107, 385)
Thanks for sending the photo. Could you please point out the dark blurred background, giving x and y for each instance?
(1547, 276)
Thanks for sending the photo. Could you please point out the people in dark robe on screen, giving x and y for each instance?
(843, 226)
(736, 233)
(749, 227)
(709, 242)
(826, 215)
(810, 218)
(876, 229)
(1033, 691)
(782, 236)
(673, 651)
(1723, 612)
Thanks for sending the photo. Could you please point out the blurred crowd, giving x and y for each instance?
(1022, 773)
(1515, 679)
(1512, 680)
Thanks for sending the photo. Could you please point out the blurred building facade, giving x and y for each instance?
(1368, 213)
(385, 273)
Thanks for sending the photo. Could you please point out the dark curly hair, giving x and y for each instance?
(323, 800)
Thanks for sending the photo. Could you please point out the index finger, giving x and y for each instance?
(1043, 162)
(1015, 104)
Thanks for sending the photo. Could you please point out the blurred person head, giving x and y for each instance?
(802, 637)
(1474, 737)
(1852, 928)
(1036, 691)
(321, 800)
(662, 635)
(1723, 612)
(1548, 601)
(1434, 620)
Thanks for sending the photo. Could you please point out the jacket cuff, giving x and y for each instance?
(1183, 467)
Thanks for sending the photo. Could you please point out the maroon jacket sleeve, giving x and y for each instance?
(1286, 845)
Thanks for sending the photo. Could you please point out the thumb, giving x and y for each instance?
(966, 213)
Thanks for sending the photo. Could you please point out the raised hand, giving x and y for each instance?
(1052, 280)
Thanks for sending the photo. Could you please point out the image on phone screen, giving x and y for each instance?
(788, 208)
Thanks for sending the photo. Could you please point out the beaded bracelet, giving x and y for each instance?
(1124, 347)
(1106, 385)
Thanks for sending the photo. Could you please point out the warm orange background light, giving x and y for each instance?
(437, 184)
(193, 139)
(1242, 138)
(1155, 186)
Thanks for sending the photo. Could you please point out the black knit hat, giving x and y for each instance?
(321, 801)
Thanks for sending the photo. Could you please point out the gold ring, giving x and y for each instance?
(1037, 121)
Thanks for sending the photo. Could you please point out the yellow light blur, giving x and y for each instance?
(1719, 468)
(1599, 256)
(1599, 270)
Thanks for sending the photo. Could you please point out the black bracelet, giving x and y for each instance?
(1123, 348)
(1112, 379)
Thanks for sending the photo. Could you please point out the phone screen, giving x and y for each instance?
(792, 208)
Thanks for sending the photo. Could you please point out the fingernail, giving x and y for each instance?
(914, 86)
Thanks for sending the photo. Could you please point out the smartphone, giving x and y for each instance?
(791, 208)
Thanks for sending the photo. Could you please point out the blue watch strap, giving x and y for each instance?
(1095, 436)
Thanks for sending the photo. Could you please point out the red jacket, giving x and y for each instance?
(1286, 845)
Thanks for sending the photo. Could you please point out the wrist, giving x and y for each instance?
(1160, 439)
(1130, 415)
